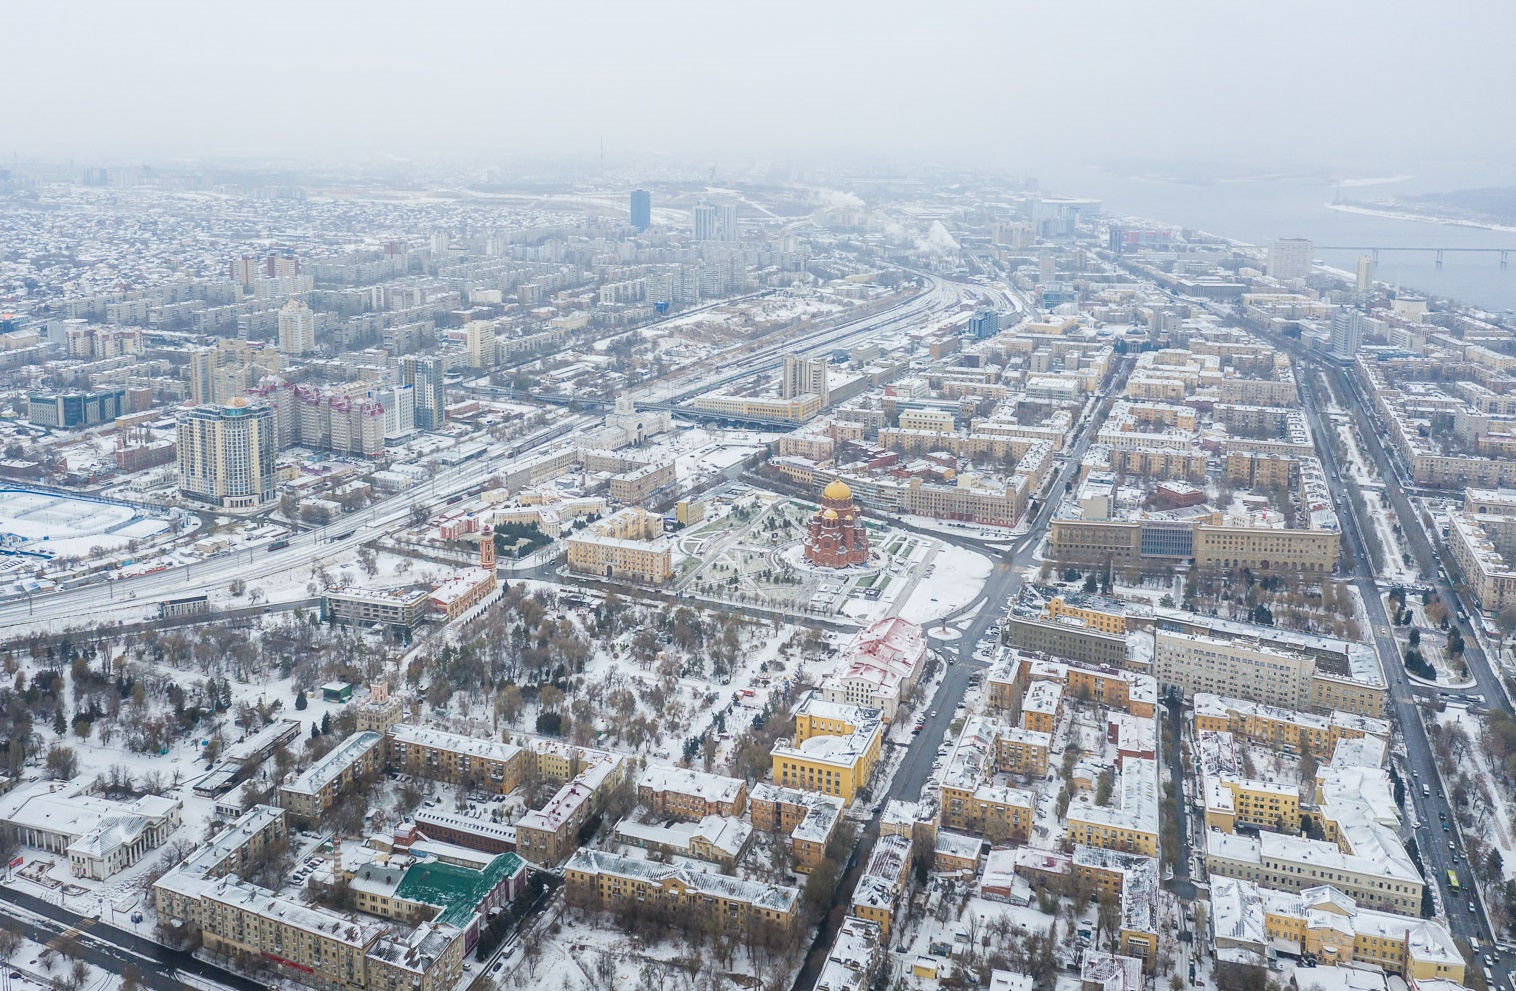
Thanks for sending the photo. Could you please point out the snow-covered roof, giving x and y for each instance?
(898, 812)
(972, 757)
(887, 653)
(777, 898)
(1005, 980)
(418, 950)
(453, 742)
(958, 845)
(574, 793)
(724, 833)
(846, 712)
(890, 859)
(209, 858)
(460, 585)
(1428, 940)
(1228, 707)
(853, 955)
(1335, 658)
(1110, 972)
(1042, 697)
(692, 782)
(874, 892)
(1133, 733)
(241, 895)
(1237, 912)
(844, 751)
(345, 755)
(1139, 884)
(262, 740)
(1135, 804)
(113, 832)
(1363, 751)
(79, 816)
(486, 828)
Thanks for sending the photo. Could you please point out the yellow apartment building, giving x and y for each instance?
(1022, 751)
(487, 765)
(1130, 822)
(595, 879)
(1325, 922)
(807, 817)
(835, 750)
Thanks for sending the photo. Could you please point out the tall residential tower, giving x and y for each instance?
(642, 209)
(226, 454)
(1290, 258)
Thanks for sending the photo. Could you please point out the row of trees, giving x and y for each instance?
(1290, 602)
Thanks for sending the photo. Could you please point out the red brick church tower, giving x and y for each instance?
(836, 536)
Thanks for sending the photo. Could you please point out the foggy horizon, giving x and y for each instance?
(1348, 90)
(678, 496)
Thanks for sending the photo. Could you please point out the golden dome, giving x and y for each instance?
(837, 491)
(829, 514)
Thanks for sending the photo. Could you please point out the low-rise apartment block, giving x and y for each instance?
(855, 959)
(1130, 822)
(1288, 729)
(635, 487)
(1129, 691)
(685, 793)
(595, 879)
(835, 748)
(971, 799)
(310, 793)
(628, 544)
(717, 839)
(1022, 751)
(1261, 664)
(1133, 880)
(809, 818)
(324, 949)
(462, 760)
(1042, 706)
(547, 835)
(883, 882)
(1333, 928)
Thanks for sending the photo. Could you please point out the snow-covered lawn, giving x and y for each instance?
(1493, 821)
(66, 527)
(957, 577)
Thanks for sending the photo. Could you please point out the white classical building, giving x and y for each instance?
(879, 667)
(100, 837)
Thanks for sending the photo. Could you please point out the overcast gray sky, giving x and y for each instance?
(1386, 84)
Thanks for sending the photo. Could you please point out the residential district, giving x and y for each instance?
(645, 583)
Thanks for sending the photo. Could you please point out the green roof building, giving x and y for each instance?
(462, 894)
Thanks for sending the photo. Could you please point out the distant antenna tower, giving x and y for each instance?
(602, 154)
